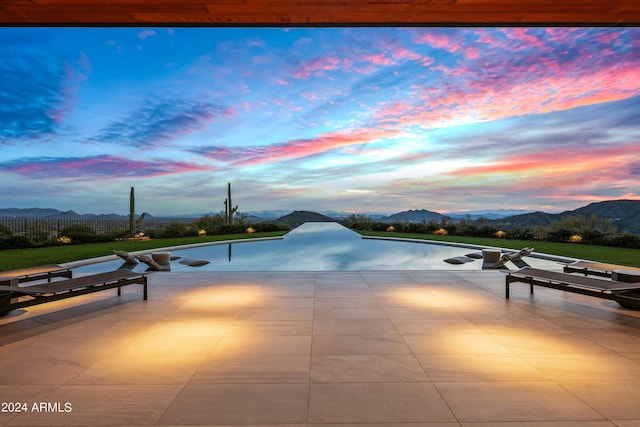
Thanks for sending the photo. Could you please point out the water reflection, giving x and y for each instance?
(319, 246)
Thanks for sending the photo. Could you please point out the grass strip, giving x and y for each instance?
(21, 258)
(607, 254)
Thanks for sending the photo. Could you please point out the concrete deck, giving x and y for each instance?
(420, 349)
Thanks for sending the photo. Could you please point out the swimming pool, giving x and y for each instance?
(320, 246)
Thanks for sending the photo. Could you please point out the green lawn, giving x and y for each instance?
(20, 258)
(622, 256)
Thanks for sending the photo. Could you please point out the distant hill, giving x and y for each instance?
(530, 219)
(412, 216)
(27, 213)
(263, 215)
(624, 214)
(487, 214)
(297, 218)
(426, 215)
(57, 214)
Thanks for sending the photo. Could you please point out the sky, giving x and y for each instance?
(363, 120)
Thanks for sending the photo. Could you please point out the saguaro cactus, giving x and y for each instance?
(228, 209)
(132, 213)
(133, 222)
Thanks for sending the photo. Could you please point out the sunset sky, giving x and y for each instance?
(350, 119)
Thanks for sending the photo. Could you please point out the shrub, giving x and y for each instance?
(83, 233)
(173, 229)
(416, 227)
(209, 223)
(378, 226)
(268, 227)
(561, 235)
(358, 222)
(231, 229)
(5, 231)
(518, 234)
(625, 240)
(15, 242)
(593, 229)
(190, 232)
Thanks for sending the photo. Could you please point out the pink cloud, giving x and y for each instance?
(309, 96)
(541, 178)
(608, 38)
(562, 35)
(438, 40)
(317, 65)
(378, 59)
(97, 168)
(526, 87)
(525, 39)
(471, 53)
(555, 165)
(403, 53)
(295, 149)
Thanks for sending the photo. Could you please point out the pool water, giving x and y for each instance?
(319, 246)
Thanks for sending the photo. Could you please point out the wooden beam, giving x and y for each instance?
(305, 12)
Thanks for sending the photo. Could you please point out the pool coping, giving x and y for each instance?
(89, 261)
(472, 246)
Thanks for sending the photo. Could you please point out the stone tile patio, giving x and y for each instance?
(420, 349)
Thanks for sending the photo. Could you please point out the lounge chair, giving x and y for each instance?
(514, 257)
(13, 297)
(126, 257)
(627, 294)
(31, 274)
(152, 265)
(591, 268)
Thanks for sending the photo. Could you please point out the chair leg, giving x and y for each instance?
(506, 289)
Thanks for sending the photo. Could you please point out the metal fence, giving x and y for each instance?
(46, 229)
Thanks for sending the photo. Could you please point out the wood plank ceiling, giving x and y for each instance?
(319, 12)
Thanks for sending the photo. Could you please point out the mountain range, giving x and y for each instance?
(264, 215)
(625, 215)
(57, 214)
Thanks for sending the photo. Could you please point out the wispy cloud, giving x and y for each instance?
(317, 66)
(520, 78)
(142, 35)
(161, 121)
(299, 148)
(36, 94)
(96, 168)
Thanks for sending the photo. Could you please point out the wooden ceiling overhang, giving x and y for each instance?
(320, 12)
